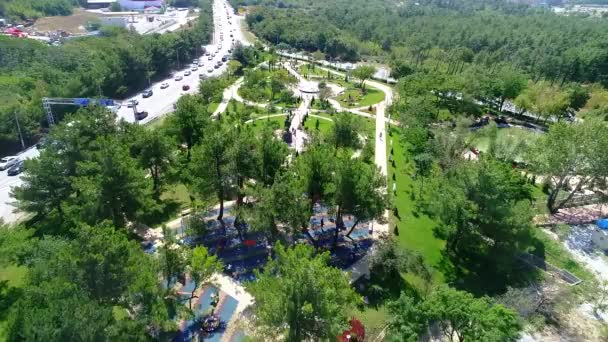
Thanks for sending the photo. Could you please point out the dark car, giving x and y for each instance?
(147, 93)
(185, 87)
(16, 169)
(225, 58)
(141, 115)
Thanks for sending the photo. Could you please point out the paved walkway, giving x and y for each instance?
(229, 93)
(299, 139)
(299, 135)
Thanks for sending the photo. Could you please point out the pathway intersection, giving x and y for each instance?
(232, 287)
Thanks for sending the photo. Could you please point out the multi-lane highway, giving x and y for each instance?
(227, 32)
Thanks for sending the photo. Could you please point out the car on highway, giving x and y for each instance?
(210, 70)
(141, 115)
(201, 64)
(164, 85)
(7, 162)
(147, 93)
(224, 59)
(16, 169)
(209, 58)
(179, 77)
(216, 66)
(194, 68)
(185, 87)
(132, 103)
(201, 76)
(187, 73)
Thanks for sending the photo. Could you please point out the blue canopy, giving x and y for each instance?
(602, 223)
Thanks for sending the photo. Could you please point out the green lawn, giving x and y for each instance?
(15, 277)
(355, 97)
(324, 126)
(510, 137)
(306, 69)
(178, 193)
(275, 122)
(415, 229)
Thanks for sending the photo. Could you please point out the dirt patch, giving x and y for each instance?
(74, 23)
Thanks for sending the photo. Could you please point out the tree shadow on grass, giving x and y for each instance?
(161, 213)
(380, 291)
(483, 277)
(8, 296)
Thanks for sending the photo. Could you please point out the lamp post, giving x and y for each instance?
(19, 131)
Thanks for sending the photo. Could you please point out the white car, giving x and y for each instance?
(194, 68)
(164, 85)
(187, 73)
(179, 78)
(7, 162)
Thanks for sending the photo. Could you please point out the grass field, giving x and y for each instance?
(514, 138)
(415, 229)
(275, 122)
(15, 277)
(324, 125)
(355, 97)
(306, 69)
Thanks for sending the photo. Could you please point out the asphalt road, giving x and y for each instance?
(160, 103)
(7, 210)
(162, 100)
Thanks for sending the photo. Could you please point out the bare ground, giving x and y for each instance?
(74, 23)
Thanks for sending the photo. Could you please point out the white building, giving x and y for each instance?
(140, 5)
(115, 21)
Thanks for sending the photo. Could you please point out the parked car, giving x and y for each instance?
(132, 103)
(7, 162)
(147, 93)
(164, 85)
(185, 87)
(187, 73)
(16, 169)
(179, 77)
(141, 115)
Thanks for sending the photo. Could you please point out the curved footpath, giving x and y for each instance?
(361, 268)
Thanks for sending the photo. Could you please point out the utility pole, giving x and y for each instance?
(19, 130)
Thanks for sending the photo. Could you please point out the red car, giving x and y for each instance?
(185, 87)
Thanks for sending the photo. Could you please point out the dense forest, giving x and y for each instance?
(111, 65)
(538, 42)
